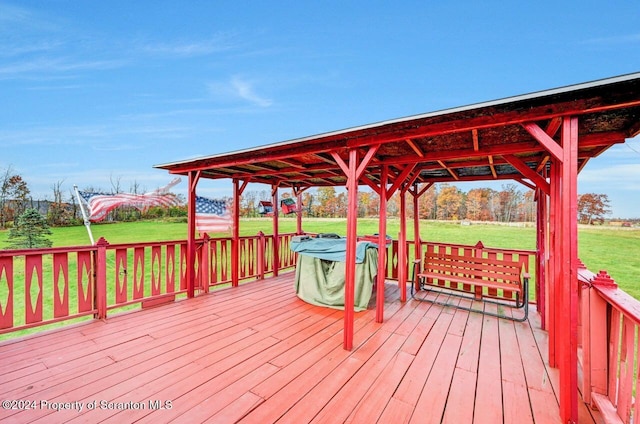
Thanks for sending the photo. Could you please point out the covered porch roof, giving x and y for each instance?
(486, 141)
(541, 139)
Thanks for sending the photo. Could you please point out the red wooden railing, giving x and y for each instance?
(609, 321)
(45, 286)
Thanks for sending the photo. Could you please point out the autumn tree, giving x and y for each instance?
(340, 209)
(477, 203)
(326, 202)
(14, 194)
(307, 203)
(527, 208)
(508, 200)
(393, 205)
(368, 203)
(427, 206)
(592, 208)
(449, 202)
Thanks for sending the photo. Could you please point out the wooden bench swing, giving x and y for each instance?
(472, 275)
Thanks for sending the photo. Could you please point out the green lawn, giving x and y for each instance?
(616, 250)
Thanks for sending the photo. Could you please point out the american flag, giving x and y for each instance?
(212, 215)
(100, 204)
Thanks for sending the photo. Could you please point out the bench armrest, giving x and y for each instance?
(416, 268)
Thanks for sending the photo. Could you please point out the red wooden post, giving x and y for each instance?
(299, 212)
(352, 234)
(541, 244)
(353, 171)
(402, 248)
(417, 249)
(276, 235)
(101, 278)
(261, 253)
(205, 270)
(194, 176)
(235, 236)
(382, 244)
(552, 277)
(568, 272)
(477, 253)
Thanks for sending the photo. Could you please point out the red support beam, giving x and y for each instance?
(529, 173)
(543, 138)
(371, 184)
(365, 161)
(417, 248)
(541, 245)
(569, 273)
(415, 148)
(402, 248)
(382, 243)
(235, 235)
(299, 205)
(194, 176)
(276, 231)
(552, 261)
(400, 179)
(352, 233)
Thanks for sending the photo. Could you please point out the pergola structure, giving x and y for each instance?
(541, 140)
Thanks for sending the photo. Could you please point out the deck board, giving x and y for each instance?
(258, 354)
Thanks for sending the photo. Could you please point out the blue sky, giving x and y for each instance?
(97, 92)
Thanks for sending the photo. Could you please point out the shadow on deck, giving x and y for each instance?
(258, 354)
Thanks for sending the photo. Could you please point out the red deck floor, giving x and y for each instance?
(258, 354)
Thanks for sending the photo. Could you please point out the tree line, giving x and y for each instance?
(442, 201)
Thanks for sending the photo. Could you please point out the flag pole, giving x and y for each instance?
(87, 223)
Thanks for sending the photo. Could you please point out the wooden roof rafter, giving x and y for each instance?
(476, 140)
(492, 166)
(449, 170)
(415, 148)
(527, 172)
(292, 163)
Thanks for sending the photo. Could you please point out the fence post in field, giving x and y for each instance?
(101, 278)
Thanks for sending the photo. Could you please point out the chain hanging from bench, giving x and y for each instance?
(474, 274)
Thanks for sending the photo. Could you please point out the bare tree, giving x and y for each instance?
(4, 193)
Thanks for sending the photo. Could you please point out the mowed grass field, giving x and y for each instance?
(616, 250)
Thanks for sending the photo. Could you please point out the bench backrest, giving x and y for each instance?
(492, 269)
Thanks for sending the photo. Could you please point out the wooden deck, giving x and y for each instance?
(258, 354)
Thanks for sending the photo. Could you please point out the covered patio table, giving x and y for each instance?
(320, 271)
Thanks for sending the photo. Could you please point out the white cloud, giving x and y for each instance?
(9, 13)
(216, 44)
(8, 50)
(238, 88)
(20, 68)
(612, 177)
